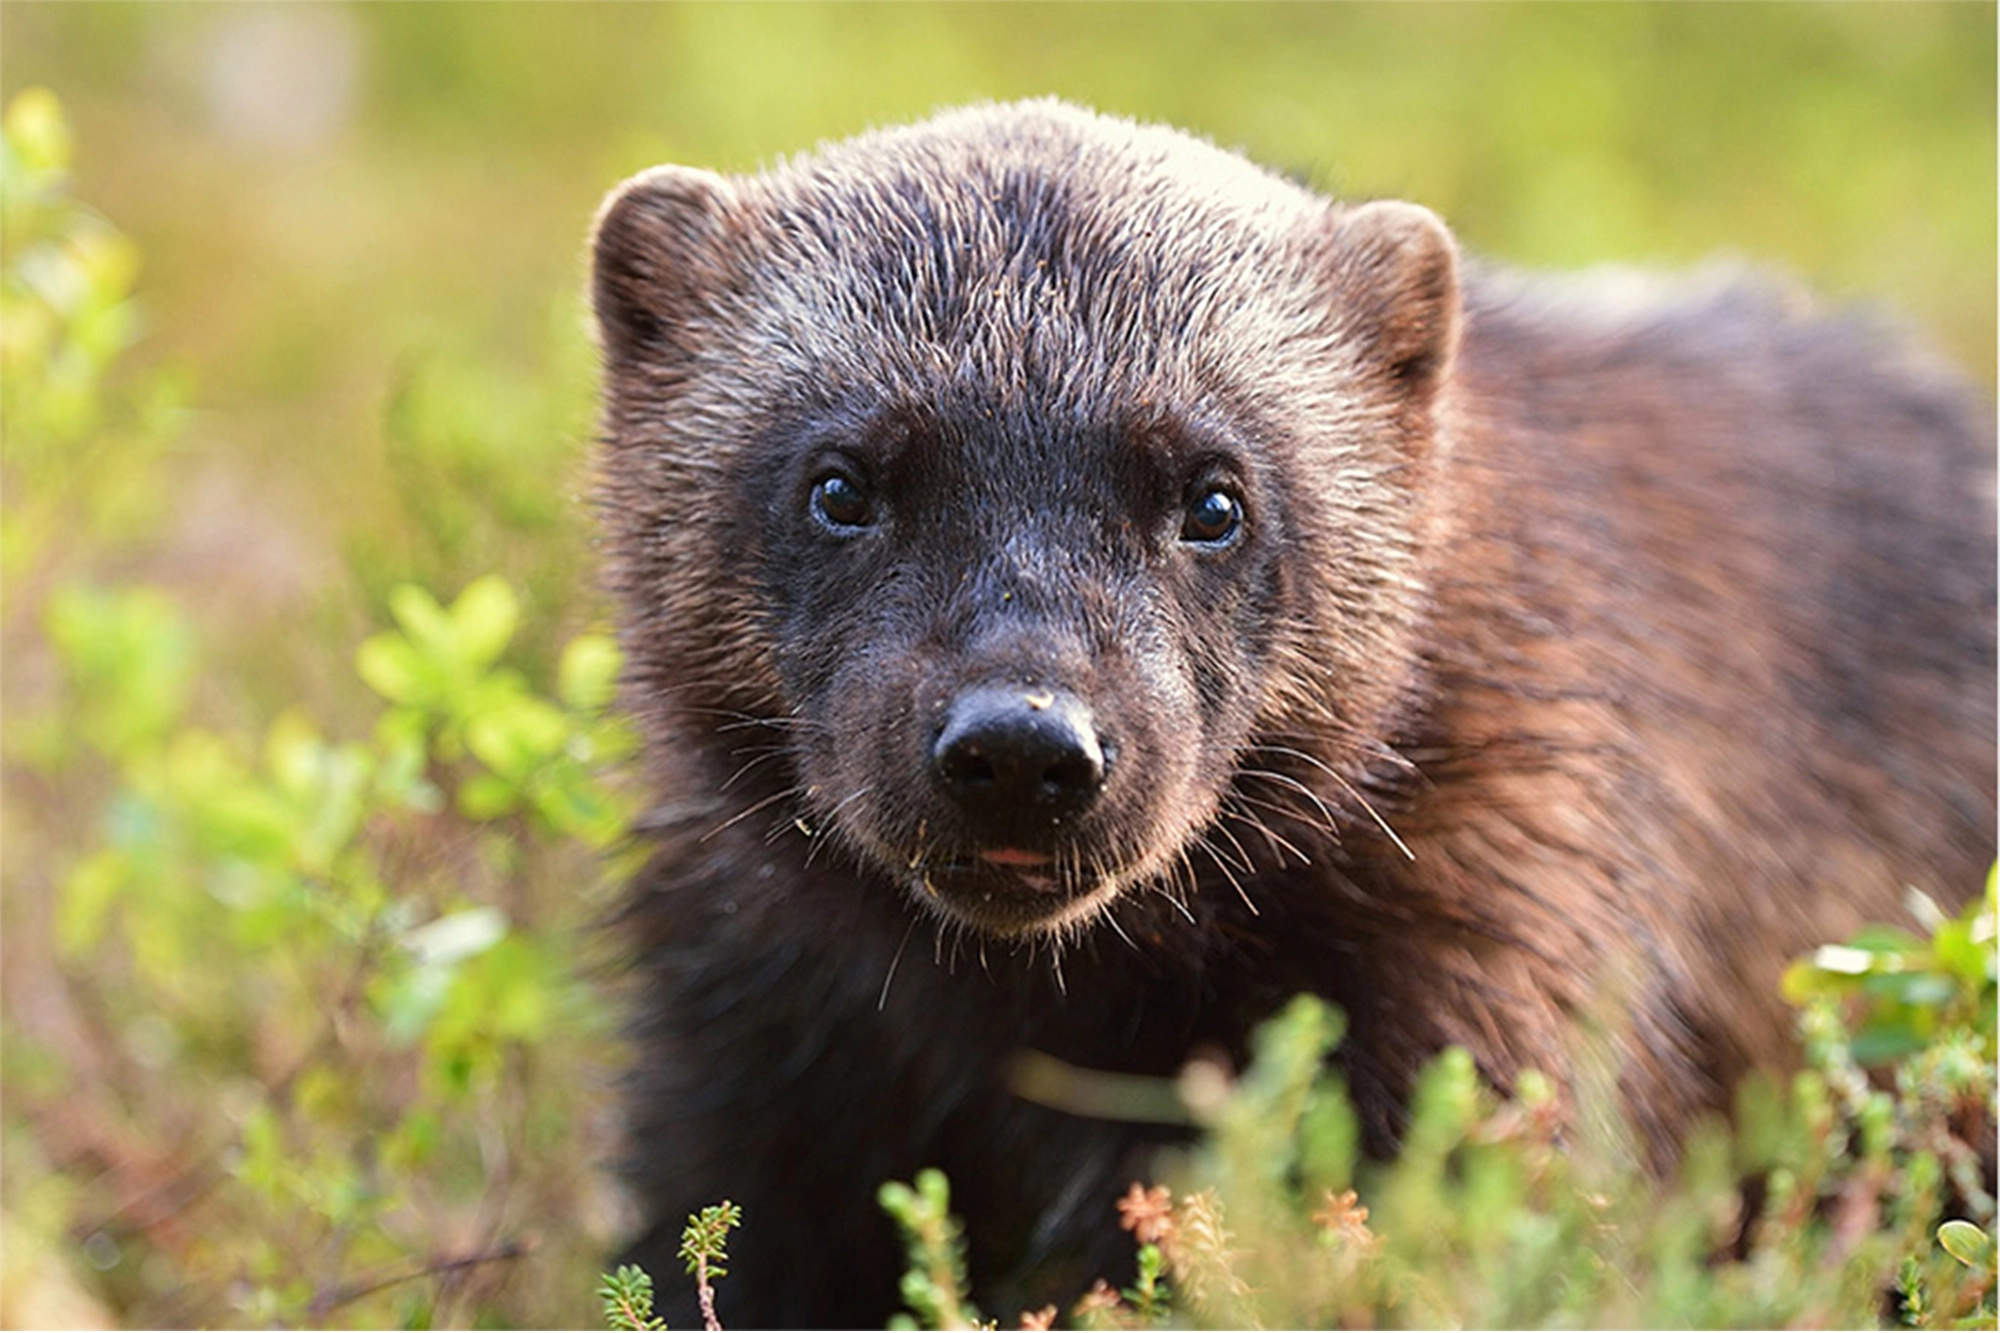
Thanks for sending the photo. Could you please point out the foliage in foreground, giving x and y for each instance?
(628, 1293)
(1821, 1210)
(628, 1300)
(309, 1045)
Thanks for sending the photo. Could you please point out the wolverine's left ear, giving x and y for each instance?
(1396, 282)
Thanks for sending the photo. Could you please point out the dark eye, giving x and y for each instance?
(1213, 518)
(841, 503)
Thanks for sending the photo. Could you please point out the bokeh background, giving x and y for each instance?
(352, 355)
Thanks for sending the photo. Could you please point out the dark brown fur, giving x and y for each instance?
(1657, 624)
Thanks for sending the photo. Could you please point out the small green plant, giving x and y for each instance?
(341, 905)
(628, 1301)
(1921, 1008)
(531, 754)
(1899, 991)
(704, 1250)
(628, 1293)
(934, 1286)
(82, 439)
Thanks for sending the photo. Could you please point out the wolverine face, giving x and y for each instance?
(1029, 641)
(1026, 483)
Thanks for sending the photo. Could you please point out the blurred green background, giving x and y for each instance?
(361, 230)
(328, 198)
(331, 200)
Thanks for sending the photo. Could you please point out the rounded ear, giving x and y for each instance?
(1397, 284)
(658, 256)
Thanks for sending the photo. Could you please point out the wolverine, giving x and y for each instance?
(1081, 590)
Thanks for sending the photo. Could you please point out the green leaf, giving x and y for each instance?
(128, 655)
(247, 821)
(107, 265)
(261, 1165)
(483, 620)
(423, 620)
(1886, 940)
(1887, 1042)
(1805, 981)
(485, 796)
(38, 131)
(517, 737)
(1962, 955)
(394, 669)
(399, 743)
(294, 753)
(1925, 990)
(1968, 1244)
(510, 990)
(1445, 1101)
(438, 950)
(587, 678)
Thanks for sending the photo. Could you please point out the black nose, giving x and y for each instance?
(1008, 750)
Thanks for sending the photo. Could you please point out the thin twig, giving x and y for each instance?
(333, 1300)
(706, 1294)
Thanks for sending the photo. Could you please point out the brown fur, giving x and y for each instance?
(1583, 642)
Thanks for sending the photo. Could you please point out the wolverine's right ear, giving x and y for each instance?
(659, 256)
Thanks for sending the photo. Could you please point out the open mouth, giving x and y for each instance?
(1032, 871)
(1006, 890)
(1015, 857)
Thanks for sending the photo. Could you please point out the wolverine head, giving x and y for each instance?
(1027, 484)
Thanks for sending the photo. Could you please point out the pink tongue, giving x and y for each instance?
(1013, 856)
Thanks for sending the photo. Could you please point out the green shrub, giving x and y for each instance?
(628, 1300)
(481, 461)
(82, 441)
(628, 1293)
(1821, 1210)
(336, 1000)
(325, 1052)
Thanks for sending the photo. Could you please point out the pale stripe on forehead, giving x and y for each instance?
(1016, 281)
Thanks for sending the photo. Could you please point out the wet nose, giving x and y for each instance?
(1006, 751)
